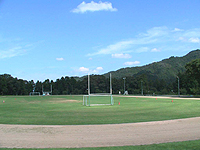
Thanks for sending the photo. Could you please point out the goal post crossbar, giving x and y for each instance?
(100, 94)
(34, 93)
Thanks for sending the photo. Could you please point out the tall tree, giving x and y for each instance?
(193, 69)
(193, 73)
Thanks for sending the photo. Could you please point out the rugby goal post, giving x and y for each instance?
(44, 93)
(97, 99)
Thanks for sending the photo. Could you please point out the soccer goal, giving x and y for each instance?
(34, 93)
(96, 99)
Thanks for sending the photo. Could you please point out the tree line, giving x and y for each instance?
(188, 83)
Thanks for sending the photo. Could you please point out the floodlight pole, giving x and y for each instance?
(110, 84)
(42, 89)
(124, 84)
(88, 84)
(51, 89)
(178, 87)
(141, 88)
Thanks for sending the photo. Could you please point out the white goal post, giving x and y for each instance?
(96, 99)
(46, 92)
(34, 93)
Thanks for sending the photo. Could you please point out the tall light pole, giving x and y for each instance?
(88, 84)
(124, 84)
(141, 88)
(178, 86)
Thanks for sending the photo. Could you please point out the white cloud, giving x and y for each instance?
(177, 30)
(194, 40)
(138, 44)
(155, 50)
(167, 39)
(117, 47)
(121, 55)
(181, 39)
(99, 68)
(192, 33)
(13, 47)
(93, 6)
(156, 32)
(60, 59)
(83, 69)
(91, 71)
(130, 63)
(16, 51)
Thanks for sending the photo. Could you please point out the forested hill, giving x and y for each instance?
(166, 69)
(152, 78)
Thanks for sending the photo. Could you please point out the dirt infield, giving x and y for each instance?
(48, 136)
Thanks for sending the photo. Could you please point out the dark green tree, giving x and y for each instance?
(193, 69)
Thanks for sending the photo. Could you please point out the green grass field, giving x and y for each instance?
(68, 110)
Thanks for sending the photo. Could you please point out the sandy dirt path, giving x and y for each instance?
(47, 136)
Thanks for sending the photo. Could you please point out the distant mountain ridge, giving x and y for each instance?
(166, 69)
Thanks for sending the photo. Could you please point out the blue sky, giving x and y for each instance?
(48, 39)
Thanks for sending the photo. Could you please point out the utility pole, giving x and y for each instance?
(124, 84)
(141, 88)
(178, 87)
(88, 84)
